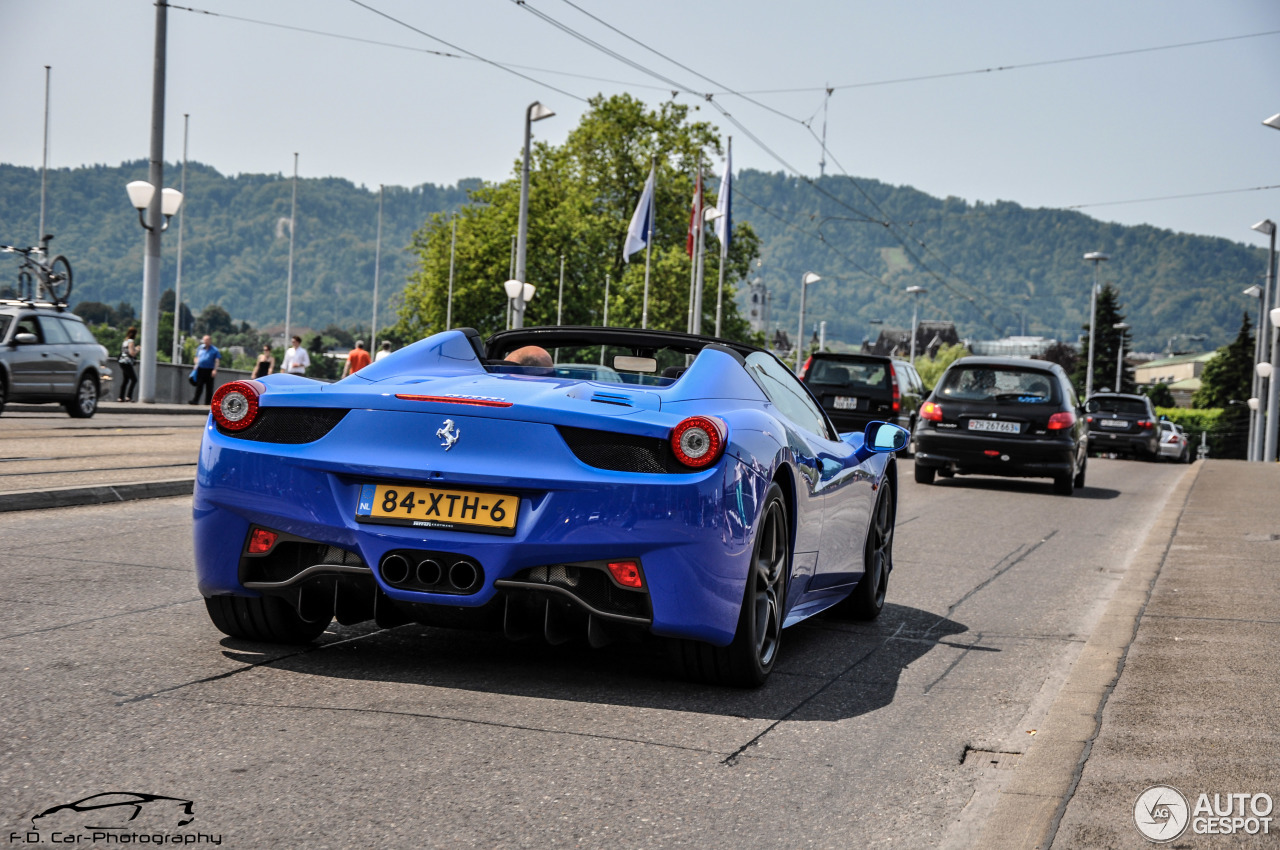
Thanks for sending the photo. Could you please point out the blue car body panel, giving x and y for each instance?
(692, 532)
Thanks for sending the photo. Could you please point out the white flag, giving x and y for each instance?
(724, 203)
(641, 221)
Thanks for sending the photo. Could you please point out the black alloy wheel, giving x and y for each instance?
(867, 599)
(748, 660)
(85, 404)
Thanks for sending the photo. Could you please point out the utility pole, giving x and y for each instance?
(177, 284)
(293, 226)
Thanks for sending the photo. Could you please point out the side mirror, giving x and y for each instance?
(880, 437)
(26, 339)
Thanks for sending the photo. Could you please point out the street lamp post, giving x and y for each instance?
(1255, 426)
(917, 291)
(535, 112)
(808, 278)
(1095, 257)
(1122, 327)
(156, 202)
(1273, 391)
(1268, 352)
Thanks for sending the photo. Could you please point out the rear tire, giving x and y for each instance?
(867, 599)
(58, 284)
(4, 394)
(748, 660)
(924, 474)
(1064, 485)
(85, 404)
(266, 619)
(1079, 482)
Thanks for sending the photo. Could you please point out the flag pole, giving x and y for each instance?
(724, 202)
(693, 253)
(648, 242)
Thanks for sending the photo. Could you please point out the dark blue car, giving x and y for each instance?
(703, 498)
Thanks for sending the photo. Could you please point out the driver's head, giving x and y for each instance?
(530, 355)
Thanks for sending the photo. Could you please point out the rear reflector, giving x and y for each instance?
(897, 396)
(1060, 421)
(931, 411)
(261, 541)
(626, 573)
(991, 452)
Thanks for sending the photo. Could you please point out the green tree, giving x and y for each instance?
(1107, 348)
(216, 321)
(1226, 383)
(930, 369)
(581, 198)
(1160, 395)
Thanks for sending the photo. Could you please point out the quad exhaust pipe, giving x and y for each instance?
(426, 572)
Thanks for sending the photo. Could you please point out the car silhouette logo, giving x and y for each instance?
(449, 434)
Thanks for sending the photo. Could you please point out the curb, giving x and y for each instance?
(1031, 804)
(116, 407)
(99, 494)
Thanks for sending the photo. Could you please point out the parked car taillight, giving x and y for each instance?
(897, 396)
(1062, 420)
(1145, 423)
(931, 411)
(804, 370)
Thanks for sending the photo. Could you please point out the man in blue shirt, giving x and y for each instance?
(207, 360)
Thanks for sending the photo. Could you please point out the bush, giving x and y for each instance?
(1227, 429)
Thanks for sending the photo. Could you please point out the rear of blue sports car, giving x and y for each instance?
(452, 495)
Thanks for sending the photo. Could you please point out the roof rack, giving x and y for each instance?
(23, 302)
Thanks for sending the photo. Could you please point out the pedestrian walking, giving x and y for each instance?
(128, 359)
(384, 351)
(296, 360)
(357, 359)
(266, 363)
(207, 360)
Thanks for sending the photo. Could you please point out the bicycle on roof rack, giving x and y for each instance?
(36, 277)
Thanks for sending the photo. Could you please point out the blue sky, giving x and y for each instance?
(1154, 124)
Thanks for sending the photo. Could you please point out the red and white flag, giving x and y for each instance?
(695, 216)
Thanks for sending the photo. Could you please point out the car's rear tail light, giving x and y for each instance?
(991, 452)
(804, 370)
(261, 541)
(235, 405)
(626, 573)
(1089, 419)
(698, 441)
(931, 411)
(1059, 421)
(1145, 423)
(897, 396)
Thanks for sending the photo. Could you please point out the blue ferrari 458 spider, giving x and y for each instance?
(692, 489)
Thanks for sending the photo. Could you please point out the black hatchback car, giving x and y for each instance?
(1003, 416)
(855, 389)
(1124, 424)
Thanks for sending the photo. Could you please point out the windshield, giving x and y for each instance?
(1111, 404)
(854, 375)
(998, 383)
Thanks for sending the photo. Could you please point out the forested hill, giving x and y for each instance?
(983, 264)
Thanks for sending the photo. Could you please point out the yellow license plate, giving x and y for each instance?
(432, 507)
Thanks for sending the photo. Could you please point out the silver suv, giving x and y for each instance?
(49, 355)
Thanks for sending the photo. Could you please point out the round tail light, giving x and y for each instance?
(698, 441)
(235, 405)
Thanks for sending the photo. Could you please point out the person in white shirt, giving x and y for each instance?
(384, 351)
(296, 359)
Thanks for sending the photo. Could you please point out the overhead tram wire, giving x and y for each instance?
(440, 53)
(754, 138)
(509, 69)
(1018, 67)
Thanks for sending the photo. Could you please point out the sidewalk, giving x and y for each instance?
(1177, 686)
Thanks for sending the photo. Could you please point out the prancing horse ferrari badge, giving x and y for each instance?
(448, 433)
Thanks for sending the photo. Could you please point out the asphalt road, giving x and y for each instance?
(866, 735)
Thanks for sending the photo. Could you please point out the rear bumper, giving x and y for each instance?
(985, 454)
(1106, 441)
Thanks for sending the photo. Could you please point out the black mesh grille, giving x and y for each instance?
(621, 452)
(289, 425)
(592, 586)
(290, 557)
